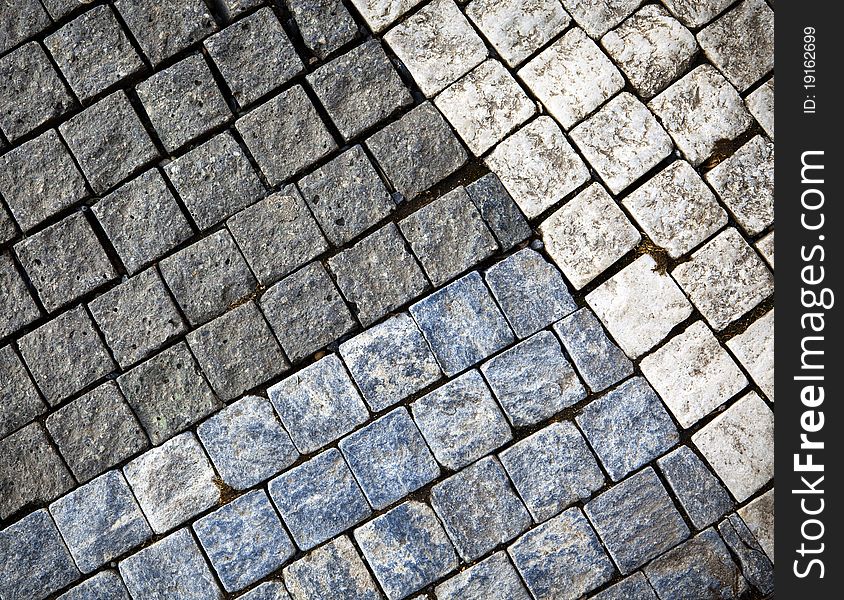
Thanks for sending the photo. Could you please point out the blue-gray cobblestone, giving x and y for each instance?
(494, 577)
(269, 590)
(755, 564)
(334, 571)
(19, 400)
(635, 586)
(498, 209)
(700, 493)
(105, 585)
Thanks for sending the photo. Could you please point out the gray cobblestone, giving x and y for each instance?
(379, 14)
(754, 349)
(325, 26)
(598, 16)
(760, 103)
(17, 308)
(19, 21)
(699, 492)
(494, 577)
(269, 590)
(105, 585)
(498, 209)
(62, 8)
(333, 572)
(754, 564)
(758, 515)
(634, 586)
(20, 402)
(694, 13)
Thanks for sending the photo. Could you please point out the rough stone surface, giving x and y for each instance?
(378, 274)
(754, 564)
(588, 235)
(634, 586)
(694, 13)
(359, 89)
(599, 16)
(96, 432)
(65, 355)
(105, 585)
(533, 380)
(246, 443)
(676, 209)
(244, 540)
(325, 26)
(754, 349)
(479, 508)
(628, 427)
(462, 324)
(461, 421)
(700, 493)
(657, 526)
(285, 135)
(173, 482)
(137, 317)
(417, 151)
(497, 208)
(737, 444)
(20, 402)
(20, 20)
(319, 404)
(552, 469)
(380, 14)
(142, 220)
(7, 226)
(538, 166)
(760, 103)
(639, 306)
(390, 361)
(561, 559)
(208, 277)
(302, 325)
(494, 577)
(100, 521)
(319, 499)
(758, 515)
(347, 196)
(725, 279)
(406, 548)
(17, 306)
(448, 236)
(333, 572)
(765, 246)
(598, 360)
(258, 39)
(168, 393)
(269, 590)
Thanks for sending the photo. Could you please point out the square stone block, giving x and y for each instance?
(269, 590)
(324, 26)
(19, 21)
(765, 246)
(499, 211)
(380, 14)
(20, 402)
(17, 308)
(754, 349)
(599, 16)
(694, 13)
(700, 493)
(105, 584)
(760, 103)
(333, 572)
(494, 577)
(634, 586)
(758, 515)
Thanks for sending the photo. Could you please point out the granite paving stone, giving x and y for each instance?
(333, 572)
(269, 590)
(725, 278)
(448, 236)
(100, 521)
(598, 360)
(479, 508)
(244, 540)
(215, 180)
(693, 374)
(272, 251)
(652, 48)
(552, 469)
(62, 8)
(168, 393)
(359, 89)
(246, 442)
(462, 324)
(745, 183)
(96, 432)
(142, 220)
(737, 445)
(461, 421)
(31, 472)
(34, 561)
(319, 499)
(237, 351)
(173, 483)
(599, 16)
(208, 277)
(20, 20)
(406, 548)
(698, 491)
(485, 106)
(347, 196)
(417, 151)
(639, 305)
(634, 586)
(164, 27)
(657, 527)
(17, 308)
(628, 427)
(378, 274)
(183, 102)
(499, 211)
(562, 558)
(31, 91)
(758, 515)
(20, 402)
(539, 21)
(494, 577)
(380, 14)
(8, 230)
(285, 135)
(588, 235)
(105, 585)
(676, 209)
(137, 317)
(319, 404)
(699, 111)
(171, 567)
(300, 324)
(754, 349)
(325, 26)
(754, 564)
(765, 246)
(760, 103)
(538, 166)
(93, 52)
(65, 355)
(533, 380)
(258, 39)
(702, 563)
(39, 179)
(390, 361)
(694, 13)
(389, 458)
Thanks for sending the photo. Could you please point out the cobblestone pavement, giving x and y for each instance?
(335, 299)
